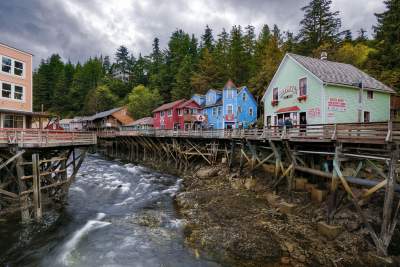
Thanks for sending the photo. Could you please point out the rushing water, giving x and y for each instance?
(117, 215)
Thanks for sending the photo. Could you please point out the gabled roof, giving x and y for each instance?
(229, 84)
(339, 73)
(218, 103)
(142, 121)
(188, 102)
(105, 113)
(169, 105)
(214, 90)
(244, 88)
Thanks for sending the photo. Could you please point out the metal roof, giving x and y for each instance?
(339, 73)
(169, 105)
(105, 113)
(142, 121)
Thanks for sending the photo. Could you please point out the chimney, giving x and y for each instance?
(324, 55)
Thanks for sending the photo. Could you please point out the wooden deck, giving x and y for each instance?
(37, 138)
(374, 133)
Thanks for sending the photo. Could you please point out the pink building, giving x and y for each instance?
(15, 88)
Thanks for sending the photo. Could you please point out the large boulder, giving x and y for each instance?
(207, 172)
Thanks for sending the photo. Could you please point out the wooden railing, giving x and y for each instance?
(377, 132)
(45, 138)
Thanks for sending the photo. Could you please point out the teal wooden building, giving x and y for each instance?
(324, 92)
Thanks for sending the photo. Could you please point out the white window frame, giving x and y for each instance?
(251, 111)
(12, 98)
(227, 109)
(169, 112)
(244, 97)
(214, 111)
(162, 114)
(219, 110)
(229, 94)
(180, 112)
(12, 71)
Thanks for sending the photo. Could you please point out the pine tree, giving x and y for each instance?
(319, 25)
(123, 61)
(270, 61)
(207, 75)
(238, 67)
(387, 58)
(182, 86)
(207, 39)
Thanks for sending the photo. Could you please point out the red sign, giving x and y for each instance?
(229, 117)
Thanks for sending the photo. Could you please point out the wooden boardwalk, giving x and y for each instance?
(370, 133)
(37, 138)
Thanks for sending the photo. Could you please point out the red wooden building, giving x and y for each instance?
(180, 114)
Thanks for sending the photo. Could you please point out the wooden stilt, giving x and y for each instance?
(37, 196)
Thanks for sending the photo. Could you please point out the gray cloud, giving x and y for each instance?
(79, 29)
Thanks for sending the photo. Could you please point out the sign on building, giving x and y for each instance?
(337, 104)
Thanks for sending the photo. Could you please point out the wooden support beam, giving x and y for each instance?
(17, 155)
(24, 202)
(386, 226)
(37, 195)
(378, 242)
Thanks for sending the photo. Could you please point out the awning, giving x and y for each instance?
(288, 109)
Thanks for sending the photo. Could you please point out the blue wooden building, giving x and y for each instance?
(230, 108)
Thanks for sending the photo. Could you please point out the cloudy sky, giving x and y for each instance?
(78, 29)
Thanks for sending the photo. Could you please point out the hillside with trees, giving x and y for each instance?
(191, 64)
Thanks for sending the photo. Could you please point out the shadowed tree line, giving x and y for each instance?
(191, 64)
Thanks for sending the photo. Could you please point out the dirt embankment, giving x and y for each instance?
(241, 223)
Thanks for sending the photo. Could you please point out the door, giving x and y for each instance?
(367, 116)
(268, 121)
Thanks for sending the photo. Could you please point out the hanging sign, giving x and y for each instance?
(288, 92)
(337, 104)
(313, 113)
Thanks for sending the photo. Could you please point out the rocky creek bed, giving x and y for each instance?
(241, 223)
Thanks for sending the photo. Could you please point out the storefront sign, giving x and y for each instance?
(337, 104)
(313, 113)
(288, 92)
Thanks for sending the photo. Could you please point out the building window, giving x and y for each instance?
(275, 94)
(6, 90)
(214, 112)
(11, 66)
(251, 111)
(229, 94)
(18, 68)
(6, 64)
(179, 112)
(194, 111)
(18, 92)
(169, 112)
(303, 86)
(229, 109)
(219, 111)
(162, 113)
(244, 97)
(370, 94)
(239, 109)
(13, 121)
